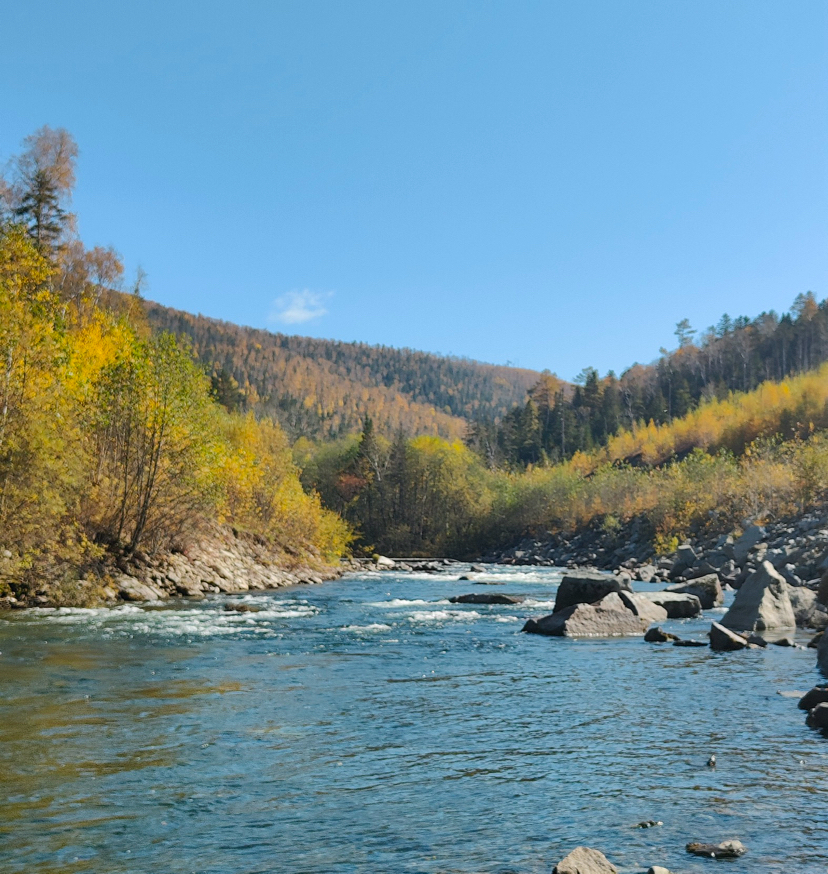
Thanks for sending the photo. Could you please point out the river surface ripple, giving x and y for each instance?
(367, 725)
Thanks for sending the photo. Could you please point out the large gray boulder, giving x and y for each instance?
(641, 606)
(743, 545)
(130, 589)
(707, 589)
(586, 587)
(808, 612)
(724, 640)
(678, 605)
(686, 557)
(761, 603)
(587, 620)
(817, 716)
(584, 860)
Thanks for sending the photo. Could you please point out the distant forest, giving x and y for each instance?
(323, 389)
(555, 421)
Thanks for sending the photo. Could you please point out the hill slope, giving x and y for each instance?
(322, 388)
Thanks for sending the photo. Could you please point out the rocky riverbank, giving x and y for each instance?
(796, 547)
(219, 559)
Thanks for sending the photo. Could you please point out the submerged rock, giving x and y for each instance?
(724, 850)
(584, 860)
(761, 603)
(587, 620)
(486, 598)
(695, 643)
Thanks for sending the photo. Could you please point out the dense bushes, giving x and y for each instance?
(109, 436)
(756, 454)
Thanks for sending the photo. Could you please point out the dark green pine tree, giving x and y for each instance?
(41, 212)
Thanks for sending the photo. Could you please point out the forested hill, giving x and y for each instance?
(322, 389)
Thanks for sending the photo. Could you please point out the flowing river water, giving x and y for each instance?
(368, 725)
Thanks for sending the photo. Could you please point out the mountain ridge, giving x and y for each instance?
(323, 389)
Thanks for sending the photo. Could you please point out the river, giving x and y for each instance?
(368, 725)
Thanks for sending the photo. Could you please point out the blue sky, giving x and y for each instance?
(549, 184)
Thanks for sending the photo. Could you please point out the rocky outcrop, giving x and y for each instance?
(586, 588)
(724, 640)
(486, 598)
(706, 588)
(678, 605)
(216, 559)
(587, 620)
(584, 860)
(796, 547)
(761, 603)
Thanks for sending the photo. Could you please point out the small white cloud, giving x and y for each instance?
(299, 306)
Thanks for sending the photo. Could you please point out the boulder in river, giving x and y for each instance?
(724, 850)
(587, 620)
(822, 654)
(817, 695)
(724, 640)
(586, 587)
(585, 860)
(657, 635)
(818, 716)
(657, 869)
(486, 598)
(678, 605)
(690, 643)
(707, 589)
(643, 607)
(761, 603)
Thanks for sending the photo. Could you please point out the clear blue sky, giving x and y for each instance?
(552, 184)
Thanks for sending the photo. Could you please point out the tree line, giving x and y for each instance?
(322, 389)
(558, 420)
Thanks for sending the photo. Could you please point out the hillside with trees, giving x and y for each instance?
(323, 389)
(111, 443)
(555, 421)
